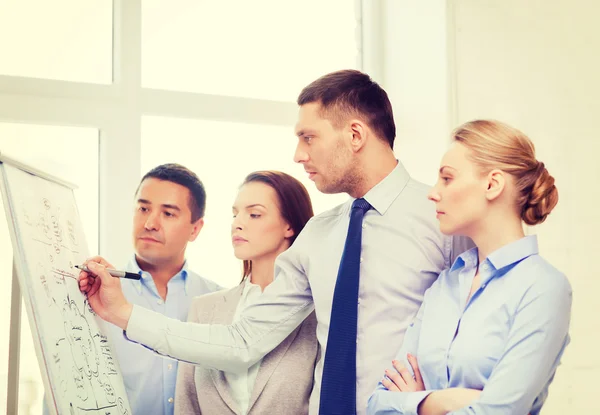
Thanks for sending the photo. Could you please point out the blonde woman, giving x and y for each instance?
(491, 330)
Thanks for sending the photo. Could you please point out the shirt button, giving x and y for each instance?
(361, 259)
(364, 226)
(169, 366)
(170, 400)
(159, 302)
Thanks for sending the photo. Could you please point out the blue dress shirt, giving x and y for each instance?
(402, 254)
(506, 340)
(150, 379)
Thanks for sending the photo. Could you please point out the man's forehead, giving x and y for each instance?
(308, 116)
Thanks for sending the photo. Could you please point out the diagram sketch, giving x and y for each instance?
(73, 347)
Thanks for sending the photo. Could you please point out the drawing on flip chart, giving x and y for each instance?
(80, 365)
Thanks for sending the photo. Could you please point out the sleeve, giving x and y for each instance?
(186, 395)
(385, 402)
(537, 339)
(285, 303)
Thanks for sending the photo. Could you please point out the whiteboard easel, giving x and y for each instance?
(14, 348)
(72, 346)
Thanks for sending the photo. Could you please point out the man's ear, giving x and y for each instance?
(496, 182)
(196, 229)
(358, 133)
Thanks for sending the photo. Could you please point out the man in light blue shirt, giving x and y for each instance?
(345, 136)
(169, 209)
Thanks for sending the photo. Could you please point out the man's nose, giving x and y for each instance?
(300, 155)
(152, 222)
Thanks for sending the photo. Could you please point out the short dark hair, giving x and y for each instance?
(294, 202)
(348, 93)
(176, 173)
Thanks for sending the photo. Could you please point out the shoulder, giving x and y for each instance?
(541, 277)
(201, 285)
(209, 300)
(320, 225)
(327, 217)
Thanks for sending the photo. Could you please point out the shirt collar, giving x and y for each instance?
(133, 266)
(514, 252)
(386, 191)
(502, 257)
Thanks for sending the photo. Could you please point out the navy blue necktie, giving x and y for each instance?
(338, 387)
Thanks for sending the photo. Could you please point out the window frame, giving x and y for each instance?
(116, 111)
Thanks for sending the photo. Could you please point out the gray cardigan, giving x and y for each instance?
(285, 378)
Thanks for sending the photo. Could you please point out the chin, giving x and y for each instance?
(447, 230)
(240, 253)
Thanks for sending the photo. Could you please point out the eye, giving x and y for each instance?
(308, 139)
(254, 215)
(446, 179)
(143, 209)
(169, 214)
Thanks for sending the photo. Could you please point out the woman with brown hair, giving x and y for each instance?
(270, 210)
(491, 330)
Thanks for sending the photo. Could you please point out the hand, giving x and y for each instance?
(401, 379)
(86, 280)
(104, 293)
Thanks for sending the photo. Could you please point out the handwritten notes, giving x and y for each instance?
(73, 349)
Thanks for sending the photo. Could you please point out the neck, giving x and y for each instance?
(380, 165)
(263, 271)
(161, 272)
(497, 231)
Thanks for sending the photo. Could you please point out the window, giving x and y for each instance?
(69, 40)
(265, 49)
(240, 70)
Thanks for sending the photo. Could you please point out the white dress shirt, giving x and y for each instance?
(241, 383)
(403, 252)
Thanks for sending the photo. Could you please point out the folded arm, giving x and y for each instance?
(537, 338)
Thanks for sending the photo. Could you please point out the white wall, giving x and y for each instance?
(534, 65)
(415, 74)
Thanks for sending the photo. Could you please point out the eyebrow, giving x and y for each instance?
(446, 168)
(304, 132)
(250, 206)
(164, 205)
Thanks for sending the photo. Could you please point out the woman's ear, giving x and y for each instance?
(289, 232)
(496, 182)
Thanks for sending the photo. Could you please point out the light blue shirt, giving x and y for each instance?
(402, 254)
(507, 340)
(150, 379)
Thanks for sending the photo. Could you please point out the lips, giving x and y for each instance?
(238, 240)
(148, 239)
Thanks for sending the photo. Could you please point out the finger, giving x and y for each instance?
(94, 286)
(84, 284)
(389, 385)
(415, 365)
(98, 259)
(397, 379)
(99, 271)
(404, 372)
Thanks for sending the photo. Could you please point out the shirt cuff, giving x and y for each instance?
(144, 327)
(413, 400)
